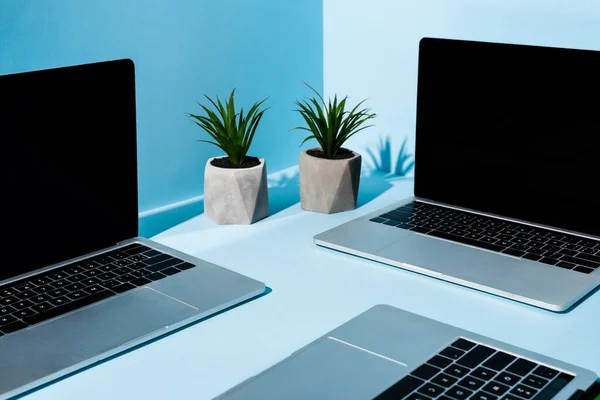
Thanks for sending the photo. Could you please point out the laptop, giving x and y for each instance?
(386, 353)
(505, 177)
(77, 284)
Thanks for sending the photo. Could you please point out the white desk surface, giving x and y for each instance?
(313, 291)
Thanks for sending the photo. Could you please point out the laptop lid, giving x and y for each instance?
(69, 162)
(510, 130)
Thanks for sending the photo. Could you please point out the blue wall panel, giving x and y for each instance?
(182, 49)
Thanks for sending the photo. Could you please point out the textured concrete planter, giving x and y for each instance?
(329, 186)
(236, 195)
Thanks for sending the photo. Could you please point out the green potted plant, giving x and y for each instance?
(235, 186)
(330, 174)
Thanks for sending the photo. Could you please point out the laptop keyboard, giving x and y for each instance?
(67, 288)
(518, 240)
(469, 370)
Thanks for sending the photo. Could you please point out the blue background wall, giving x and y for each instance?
(182, 49)
(371, 47)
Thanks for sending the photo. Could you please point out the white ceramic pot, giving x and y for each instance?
(329, 186)
(236, 195)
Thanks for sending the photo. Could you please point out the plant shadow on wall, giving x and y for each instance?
(382, 159)
(284, 190)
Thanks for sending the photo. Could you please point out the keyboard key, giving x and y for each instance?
(418, 229)
(568, 252)
(93, 289)
(164, 264)
(122, 271)
(157, 259)
(425, 372)
(137, 249)
(155, 276)
(90, 281)
(7, 319)
(138, 257)
(57, 292)
(471, 383)
(531, 256)
(123, 288)
(136, 266)
(42, 307)
(107, 267)
(459, 239)
(4, 310)
(74, 270)
(26, 294)
(106, 276)
(170, 271)
(58, 275)
(476, 356)
(15, 326)
(40, 298)
(523, 391)
(76, 278)
(140, 281)
(65, 307)
(583, 269)
(102, 260)
(59, 301)
(580, 261)
(431, 390)
(589, 257)
(27, 312)
(74, 287)
(459, 393)
(122, 263)
(495, 388)
(457, 371)
(444, 380)
(548, 260)
(452, 353)
(40, 281)
(25, 286)
(92, 272)
(554, 387)
(8, 300)
(77, 295)
(483, 373)
(536, 381)
(462, 344)
(507, 378)
(125, 278)
(439, 361)
(43, 289)
(513, 252)
(60, 283)
(19, 305)
(565, 265)
(483, 396)
(110, 284)
(521, 367)
(510, 397)
(185, 265)
(545, 372)
(151, 253)
(7, 293)
(401, 389)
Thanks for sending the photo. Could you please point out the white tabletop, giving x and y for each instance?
(313, 291)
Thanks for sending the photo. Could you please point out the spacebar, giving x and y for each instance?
(464, 240)
(74, 305)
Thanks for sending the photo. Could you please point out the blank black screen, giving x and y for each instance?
(69, 163)
(511, 130)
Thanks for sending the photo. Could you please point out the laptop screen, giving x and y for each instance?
(510, 130)
(69, 163)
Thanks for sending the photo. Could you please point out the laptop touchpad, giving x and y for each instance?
(327, 369)
(48, 348)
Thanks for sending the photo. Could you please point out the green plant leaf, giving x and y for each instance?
(231, 131)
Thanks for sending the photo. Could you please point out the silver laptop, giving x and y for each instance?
(387, 353)
(76, 283)
(506, 175)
